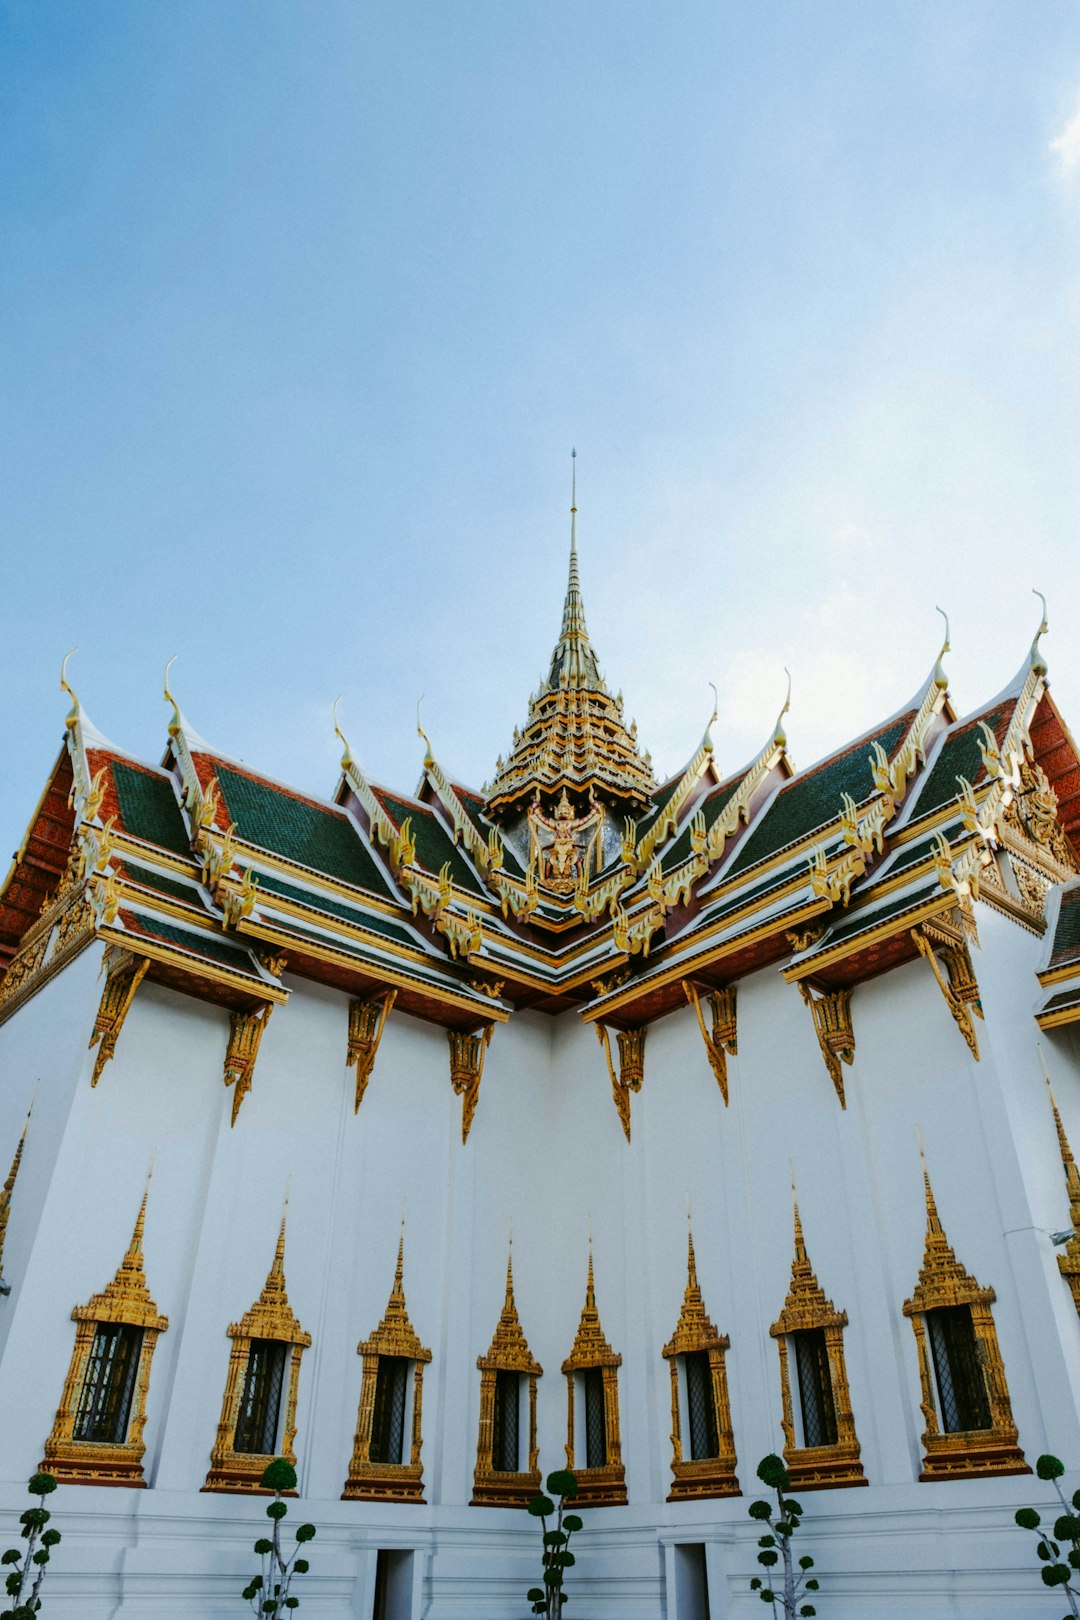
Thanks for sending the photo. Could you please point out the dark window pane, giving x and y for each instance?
(701, 1408)
(815, 1388)
(260, 1402)
(595, 1418)
(961, 1386)
(109, 1385)
(388, 1420)
(504, 1429)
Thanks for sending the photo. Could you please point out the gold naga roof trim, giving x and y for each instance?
(575, 739)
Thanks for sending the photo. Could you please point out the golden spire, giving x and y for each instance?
(9, 1188)
(575, 737)
(1072, 1175)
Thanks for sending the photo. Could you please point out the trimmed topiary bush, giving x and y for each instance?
(548, 1600)
(775, 1546)
(27, 1571)
(1057, 1572)
(270, 1591)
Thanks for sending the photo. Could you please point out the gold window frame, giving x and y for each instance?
(943, 1281)
(125, 1302)
(816, 1468)
(395, 1336)
(509, 1352)
(270, 1317)
(604, 1486)
(694, 1477)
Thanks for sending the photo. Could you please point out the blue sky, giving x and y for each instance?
(303, 305)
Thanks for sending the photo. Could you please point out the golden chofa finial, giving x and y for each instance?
(1035, 656)
(429, 757)
(706, 741)
(176, 723)
(779, 735)
(940, 677)
(346, 757)
(73, 718)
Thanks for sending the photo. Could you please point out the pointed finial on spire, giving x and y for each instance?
(940, 677)
(933, 1219)
(176, 722)
(691, 1258)
(132, 1259)
(509, 1273)
(277, 1270)
(590, 1286)
(399, 1269)
(73, 718)
(1035, 657)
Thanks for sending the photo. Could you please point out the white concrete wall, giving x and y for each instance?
(547, 1156)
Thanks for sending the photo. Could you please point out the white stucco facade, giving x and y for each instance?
(546, 1158)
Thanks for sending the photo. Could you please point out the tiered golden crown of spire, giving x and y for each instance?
(575, 737)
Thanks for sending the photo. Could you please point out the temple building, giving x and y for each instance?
(439, 1140)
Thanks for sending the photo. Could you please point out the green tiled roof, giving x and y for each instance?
(434, 846)
(814, 800)
(148, 808)
(1067, 932)
(335, 908)
(151, 878)
(188, 939)
(736, 900)
(859, 922)
(1063, 999)
(662, 799)
(324, 840)
(961, 755)
(474, 810)
(713, 805)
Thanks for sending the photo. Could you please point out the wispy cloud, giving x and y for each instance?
(1066, 147)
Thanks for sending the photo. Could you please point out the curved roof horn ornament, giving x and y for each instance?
(1035, 657)
(177, 722)
(940, 677)
(779, 735)
(73, 718)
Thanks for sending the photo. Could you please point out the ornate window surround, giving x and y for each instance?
(816, 1468)
(604, 1486)
(127, 1302)
(270, 1317)
(509, 1352)
(944, 1281)
(694, 1331)
(395, 1336)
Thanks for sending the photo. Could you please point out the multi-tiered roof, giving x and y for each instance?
(222, 881)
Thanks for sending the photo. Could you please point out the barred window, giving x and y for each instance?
(260, 1402)
(109, 1385)
(701, 1406)
(504, 1433)
(960, 1382)
(815, 1388)
(595, 1418)
(388, 1421)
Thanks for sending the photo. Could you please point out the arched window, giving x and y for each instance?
(592, 1391)
(821, 1448)
(506, 1474)
(965, 1400)
(391, 1395)
(258, 1411)
(97, 1437)
(703, 1463)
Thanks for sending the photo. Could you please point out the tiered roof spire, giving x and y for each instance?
(575, 738)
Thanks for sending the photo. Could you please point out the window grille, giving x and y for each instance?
(388, 1421)
(701, 1406)
(260, 1402)
(815, 1388)
(961, 1386)
(595, 1418)
(504, 1437)
(105, 1399)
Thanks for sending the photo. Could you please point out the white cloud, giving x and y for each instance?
(1067, 147)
